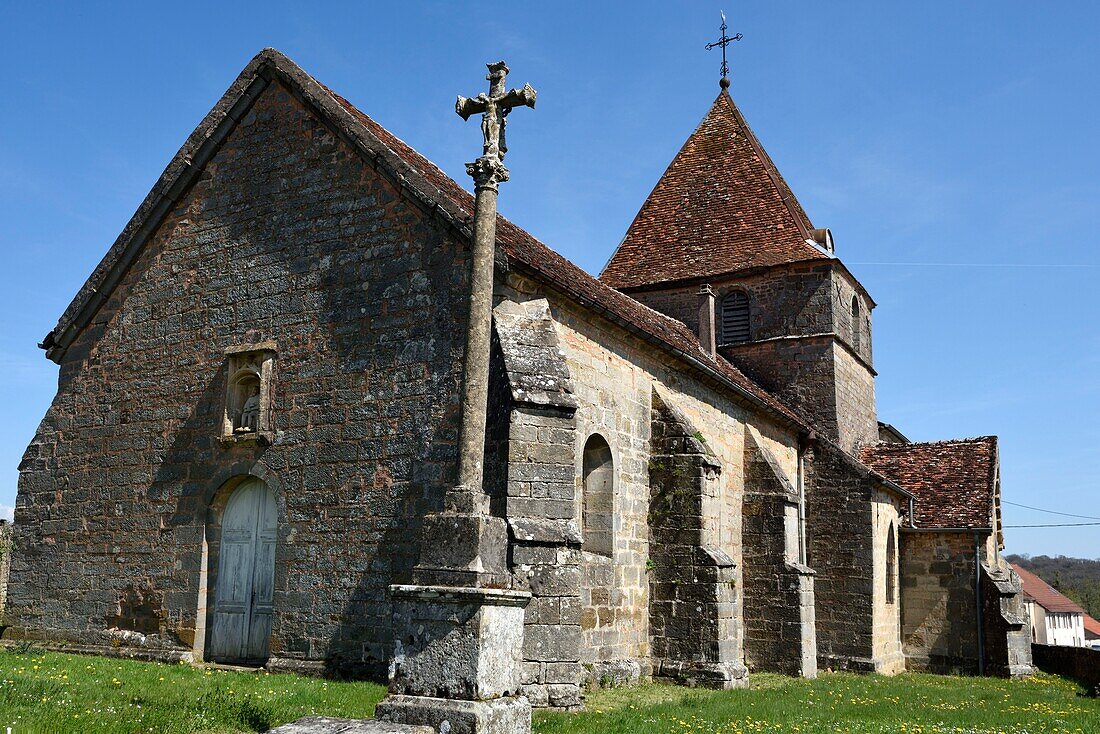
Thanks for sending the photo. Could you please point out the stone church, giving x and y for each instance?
(258, 404)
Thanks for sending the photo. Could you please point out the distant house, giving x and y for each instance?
(1055, 619)
(1092, 633)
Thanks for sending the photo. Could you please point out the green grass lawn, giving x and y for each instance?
(50, 692)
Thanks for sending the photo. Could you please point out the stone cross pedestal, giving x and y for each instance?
(459, 627)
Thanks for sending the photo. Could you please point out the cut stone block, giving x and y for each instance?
(462, 643)
(509, 715)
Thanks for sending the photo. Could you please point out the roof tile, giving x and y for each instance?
(524, 248)
(1044, 594)
(720, 207)
(953, 481)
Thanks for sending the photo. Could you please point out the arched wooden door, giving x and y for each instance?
(246, 576)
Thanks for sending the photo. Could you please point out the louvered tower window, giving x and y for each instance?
(735, 318)
(857, 324)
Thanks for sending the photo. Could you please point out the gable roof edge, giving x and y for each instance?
(196, 151)
(218, 124)
(786, 195)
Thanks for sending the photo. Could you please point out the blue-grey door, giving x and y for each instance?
(246, 576)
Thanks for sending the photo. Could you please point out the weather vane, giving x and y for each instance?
(723, 42)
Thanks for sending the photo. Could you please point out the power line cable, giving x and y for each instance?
(1052, 512)
(1055, 525)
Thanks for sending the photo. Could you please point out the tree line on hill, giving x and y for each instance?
(1077, 578)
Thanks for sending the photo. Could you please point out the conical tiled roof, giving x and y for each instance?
(720, 207)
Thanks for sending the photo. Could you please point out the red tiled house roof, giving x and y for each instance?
(720, 207)
(1092, 628)
(1044, 594)
(955, 482)
(418, 178)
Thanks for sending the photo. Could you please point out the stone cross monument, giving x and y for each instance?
(459, 625)
(488, 172)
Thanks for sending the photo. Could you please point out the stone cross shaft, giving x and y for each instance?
(487, 171)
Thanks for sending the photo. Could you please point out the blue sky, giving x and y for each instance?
(951, 147)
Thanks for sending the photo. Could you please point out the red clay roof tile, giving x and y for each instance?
(564, 275)
(1044, 594)
(954, 481)
(720, 207)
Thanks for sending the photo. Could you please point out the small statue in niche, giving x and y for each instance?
(250, 412)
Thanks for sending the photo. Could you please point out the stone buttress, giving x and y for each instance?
(780, 631)
(693, 599)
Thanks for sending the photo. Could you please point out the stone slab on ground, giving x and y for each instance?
(506, 715)
(326, 725)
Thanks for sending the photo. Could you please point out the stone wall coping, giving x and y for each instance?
(461, 595)
(800, 569)
(264, 346)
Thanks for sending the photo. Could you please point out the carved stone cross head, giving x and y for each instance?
(494, 107)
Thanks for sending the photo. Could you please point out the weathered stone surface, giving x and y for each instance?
(326, 725)
(536, 371)
(693, 600)
(287, 237)
(510, 715)
(779, 618)
(457, 643)
(295, 238)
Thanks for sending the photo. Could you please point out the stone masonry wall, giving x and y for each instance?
(888, 654)
(939, 630)
(694, 618)
(780, 626)
(803, 344)
(840, 548)
(844, 290)
(801, 372)
(6, 530)
(785, 301)
(614, 374)
(856, 412)
(287, 237)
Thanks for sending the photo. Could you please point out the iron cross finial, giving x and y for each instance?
(494, 107)
(723, 42)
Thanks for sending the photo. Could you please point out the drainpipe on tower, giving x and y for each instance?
(978, 603)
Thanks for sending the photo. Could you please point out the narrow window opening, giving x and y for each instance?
(891, 566)
(857, 324)
(598, 511)
(735, 318)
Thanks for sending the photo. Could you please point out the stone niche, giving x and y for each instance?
(250, 374)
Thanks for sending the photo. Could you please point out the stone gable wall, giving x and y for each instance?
(287, 237)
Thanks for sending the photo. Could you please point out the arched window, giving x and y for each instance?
(735, 318)
(891, 566)
(857, 325)
(598, 499)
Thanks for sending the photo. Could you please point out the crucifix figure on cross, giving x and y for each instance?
(495, 107)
